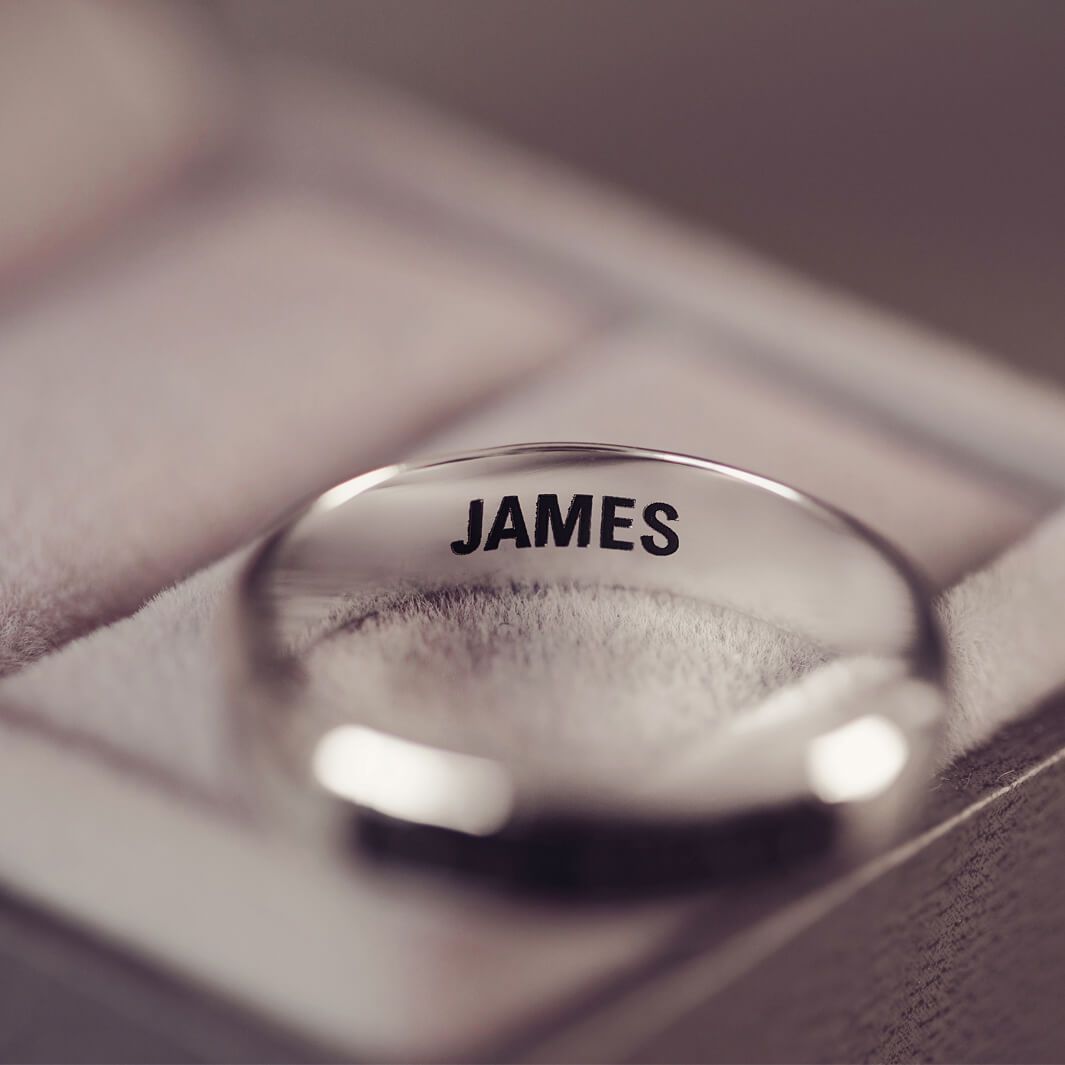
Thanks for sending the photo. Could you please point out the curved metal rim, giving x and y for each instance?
(926, 660)
(930, 660)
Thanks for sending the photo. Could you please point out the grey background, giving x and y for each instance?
(912, 153)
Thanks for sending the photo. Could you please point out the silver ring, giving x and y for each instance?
(832, 757)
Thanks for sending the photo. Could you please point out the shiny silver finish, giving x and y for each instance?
(836, 752)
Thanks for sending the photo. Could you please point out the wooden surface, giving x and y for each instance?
(949, 948)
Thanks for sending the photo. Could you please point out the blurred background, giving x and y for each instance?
(911, 152)
(908, 152)
(220, 233)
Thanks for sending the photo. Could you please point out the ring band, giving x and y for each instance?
(833, 757)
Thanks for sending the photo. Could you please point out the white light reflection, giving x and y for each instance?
(859, 760)
(414, 782)
(339, 495)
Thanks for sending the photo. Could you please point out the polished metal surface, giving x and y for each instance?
(830, 755)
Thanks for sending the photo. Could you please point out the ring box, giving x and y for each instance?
(170, 929)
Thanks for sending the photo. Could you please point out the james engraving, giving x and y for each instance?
(550, 526)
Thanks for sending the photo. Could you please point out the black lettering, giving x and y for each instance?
(650, 516)
(473, 530)
(509, 511)
(611, 522)
(578, 519)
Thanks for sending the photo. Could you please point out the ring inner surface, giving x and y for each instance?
(623, 631)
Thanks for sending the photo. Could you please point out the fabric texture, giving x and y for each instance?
(161, 410)
(149, 691)
(263, 338)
